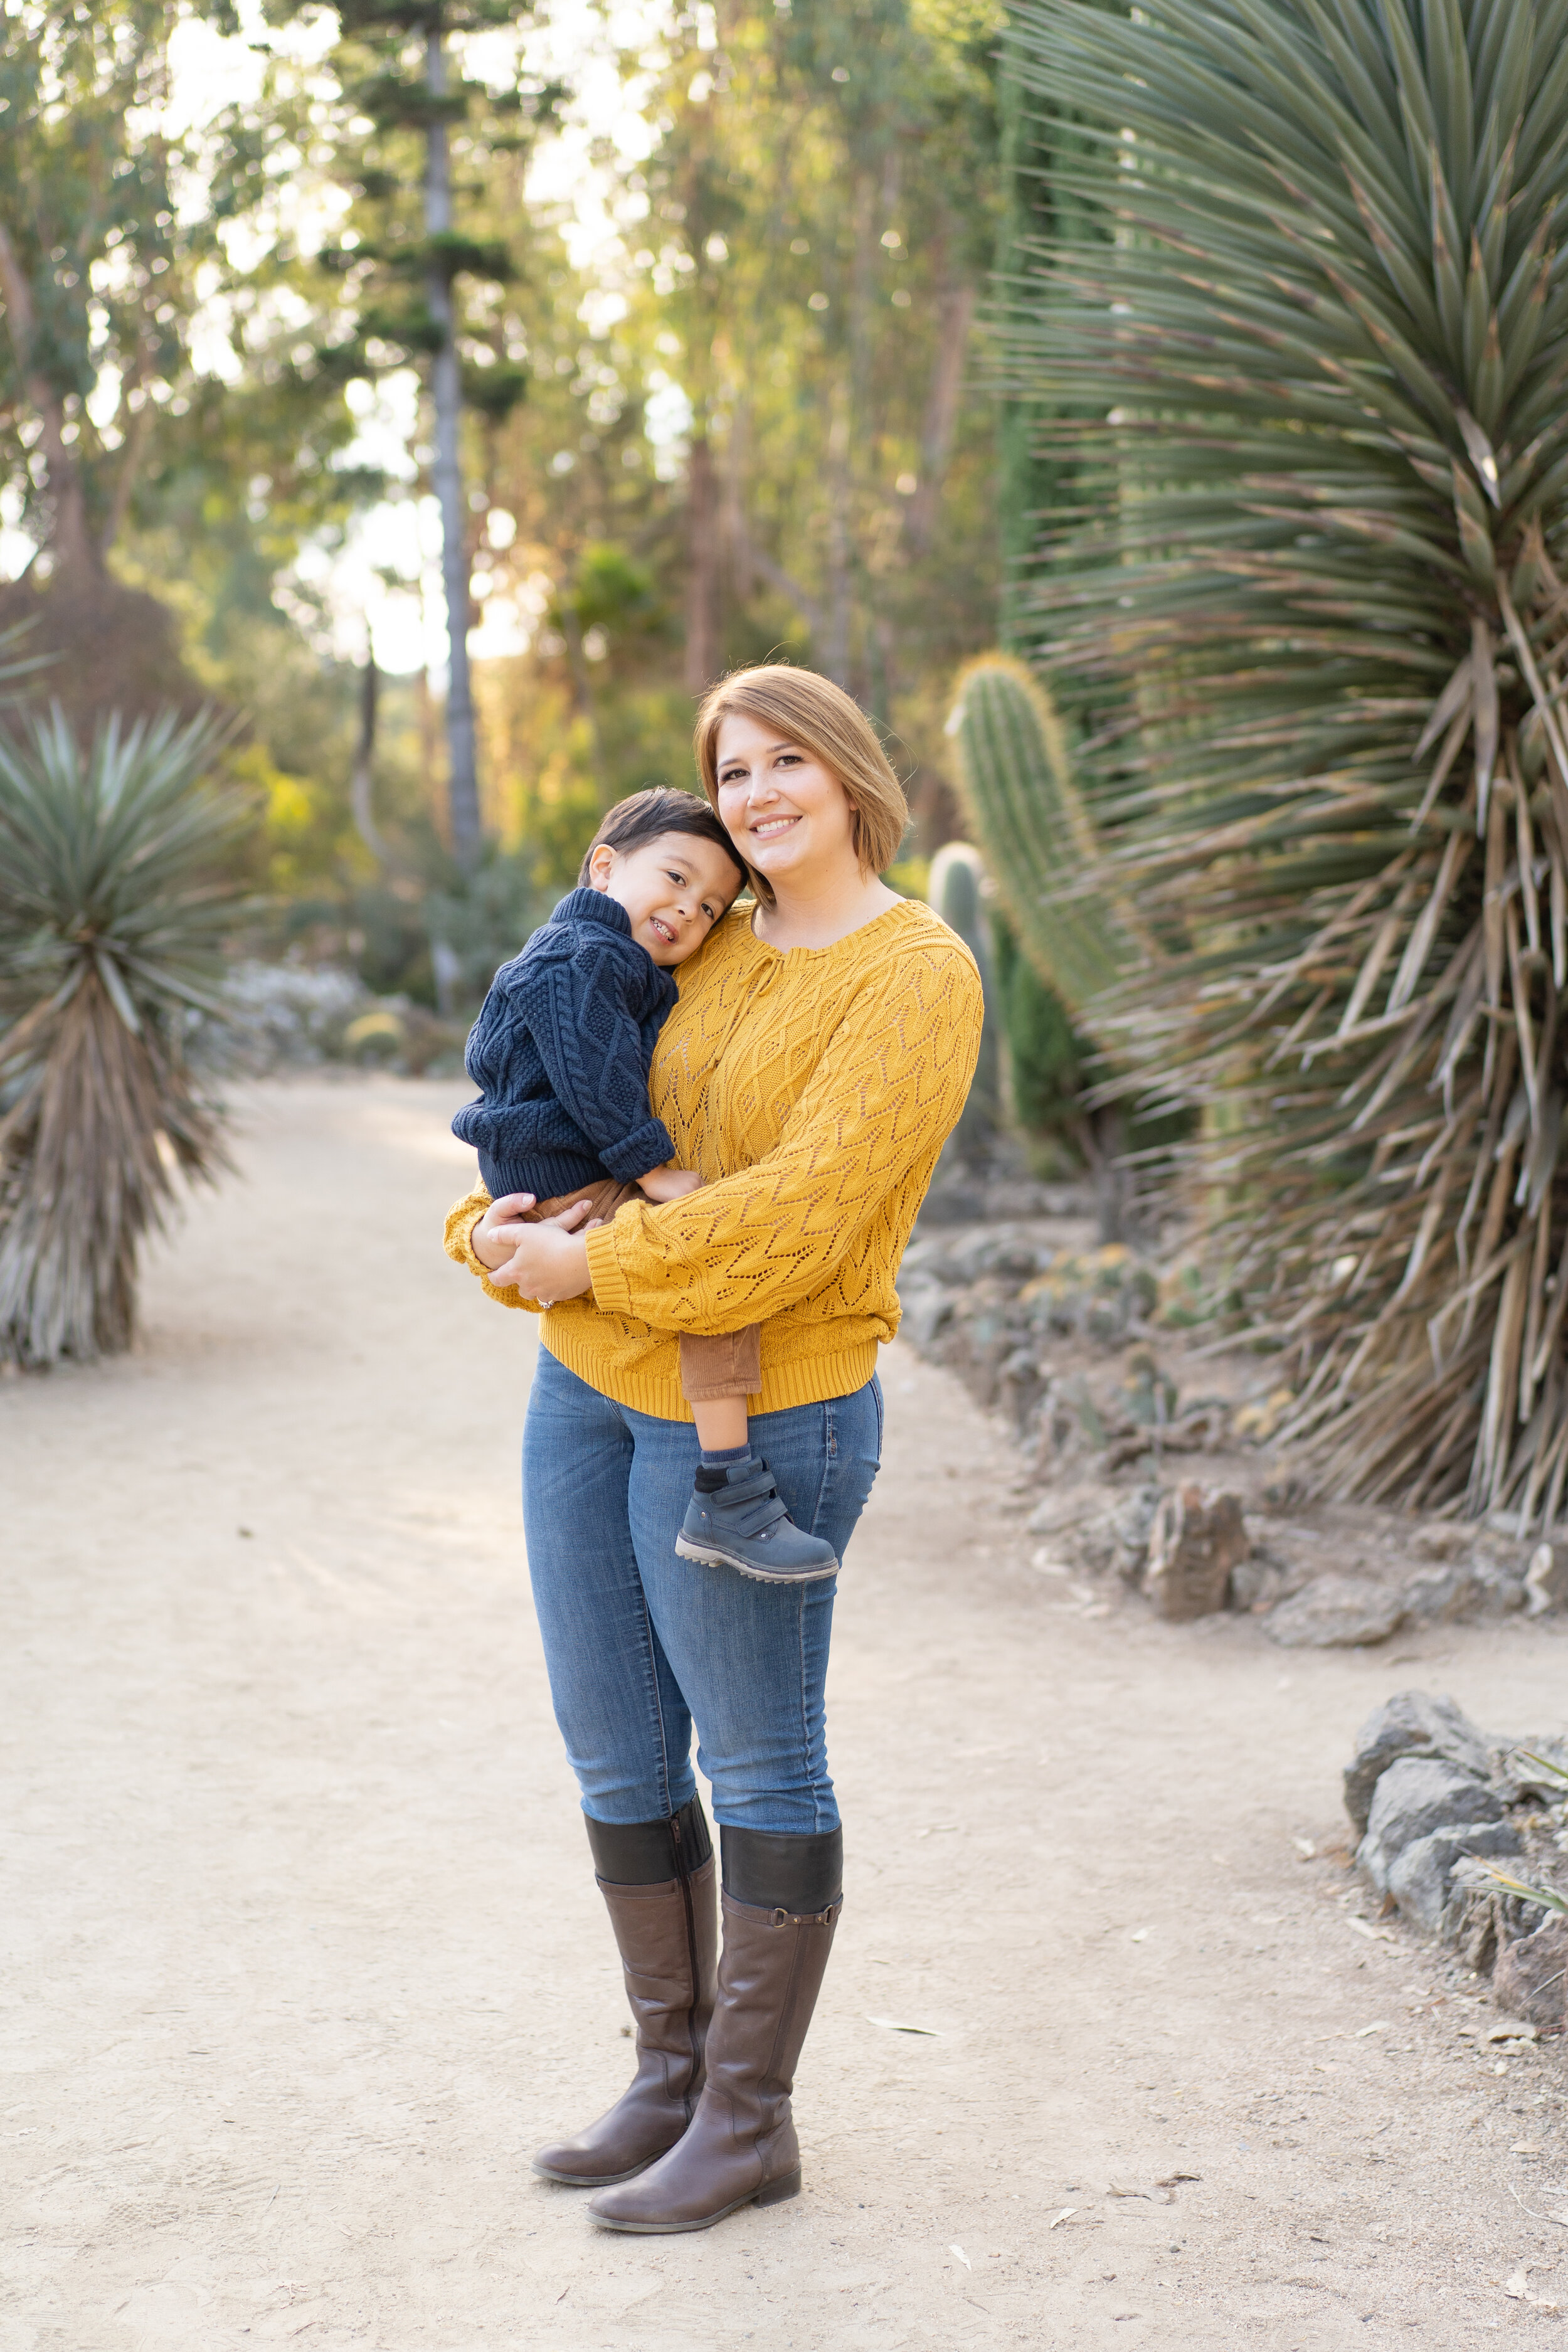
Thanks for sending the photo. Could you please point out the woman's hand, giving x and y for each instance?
(547, 1261)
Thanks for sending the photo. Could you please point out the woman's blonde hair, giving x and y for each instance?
(821, 719)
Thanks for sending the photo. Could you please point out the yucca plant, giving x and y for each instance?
(1547, 1897)
(111, 910)
(1315, 383)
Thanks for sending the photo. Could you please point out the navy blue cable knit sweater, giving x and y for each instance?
(562, 1049)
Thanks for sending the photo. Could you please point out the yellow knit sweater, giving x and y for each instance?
(812, 1091)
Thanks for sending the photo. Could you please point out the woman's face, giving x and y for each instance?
(787, 814)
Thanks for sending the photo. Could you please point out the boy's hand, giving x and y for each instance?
(668, 1184)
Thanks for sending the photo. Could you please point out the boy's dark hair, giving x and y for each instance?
(661, 809)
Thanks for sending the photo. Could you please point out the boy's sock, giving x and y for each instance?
(713, 1468)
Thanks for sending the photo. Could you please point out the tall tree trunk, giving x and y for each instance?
(737, 541)
(76, 552)
(954, 317)
(702, 657)
(446, 393)
(583, 695)
(362, 776)
(835, 642)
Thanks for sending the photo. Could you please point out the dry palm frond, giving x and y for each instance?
(1316, 385)
(110, 924)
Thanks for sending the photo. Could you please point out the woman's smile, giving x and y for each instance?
(782, 801)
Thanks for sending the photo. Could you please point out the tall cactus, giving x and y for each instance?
(956, 873)
(1016, 779)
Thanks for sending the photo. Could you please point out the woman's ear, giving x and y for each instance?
(601, 864)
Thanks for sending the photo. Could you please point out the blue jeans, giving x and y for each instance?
(640, 1643)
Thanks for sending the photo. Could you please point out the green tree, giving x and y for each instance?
(402, 276)
(818, 224)
(116, 237)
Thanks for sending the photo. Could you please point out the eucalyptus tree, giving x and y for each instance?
(116, 242)
(94, 267)
(400, 271)
(819, 225)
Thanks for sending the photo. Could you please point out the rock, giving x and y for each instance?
(1014, 1256)
(1443, 1539)
(1415, 1797)
(1420, 1879)
(1256, 1582)
(923, 1260)
(1528, 1769)
(952, 1203)
(926, 1309)
(1411, 1724)
(1287, 1492)
(1469, 1921)
(1055, 1512)
(1198, 1535)
(1531, 1979)
(1437, 1596)
(1336, 1612)
(1546, 1578)
(1480, 1918)
(1020, 1384)
(1500, 1588)
(1118, 1539)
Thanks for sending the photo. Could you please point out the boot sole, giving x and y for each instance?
(775, 2193)
(709, 1556)
(596, 2179)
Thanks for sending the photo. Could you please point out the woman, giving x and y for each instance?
(819, 1054)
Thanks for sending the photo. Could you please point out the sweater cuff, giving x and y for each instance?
(612, 1294)
(460, 1245)
(646, 1147)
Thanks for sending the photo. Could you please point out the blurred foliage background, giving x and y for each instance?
(1153, 416)
(714, 335)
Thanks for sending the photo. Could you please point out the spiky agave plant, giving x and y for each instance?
(1316, 383)
(111, 915)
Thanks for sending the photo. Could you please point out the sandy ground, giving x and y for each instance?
(301, 1955)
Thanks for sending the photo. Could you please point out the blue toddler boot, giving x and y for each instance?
(736, 1520)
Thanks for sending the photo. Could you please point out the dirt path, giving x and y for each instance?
(300, 1951)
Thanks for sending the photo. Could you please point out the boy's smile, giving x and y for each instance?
(674, 890)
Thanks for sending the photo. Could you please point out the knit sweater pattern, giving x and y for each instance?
(812, 1090)
(562, 1049)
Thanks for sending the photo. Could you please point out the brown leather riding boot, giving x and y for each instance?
(667, 1935)
(741, 2147)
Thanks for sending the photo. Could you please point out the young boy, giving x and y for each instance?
(562, 1050)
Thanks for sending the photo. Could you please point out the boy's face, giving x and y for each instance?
(674, 890)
